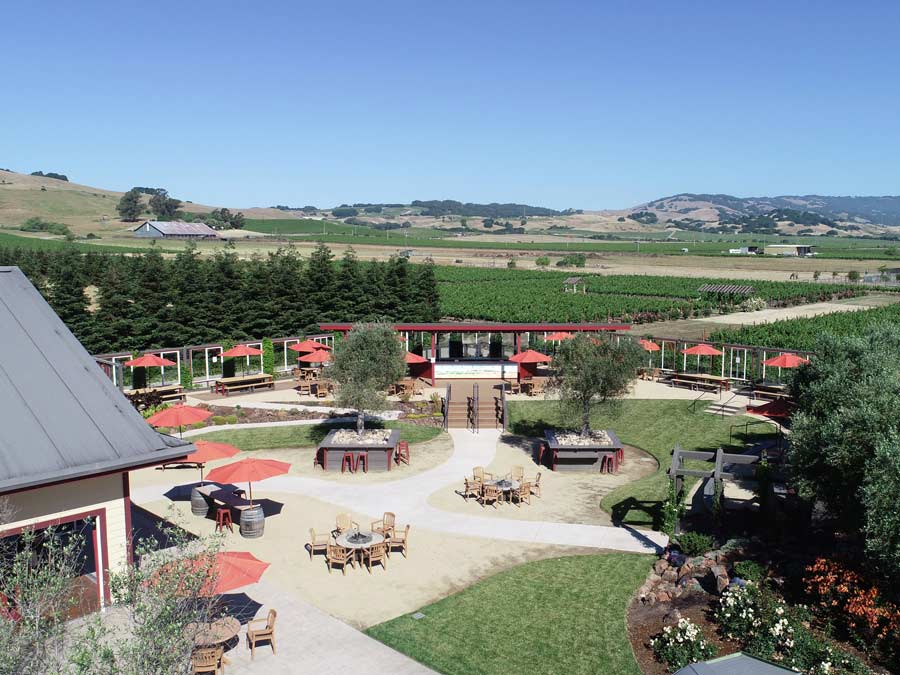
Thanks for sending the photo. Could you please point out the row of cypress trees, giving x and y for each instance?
(116, 302)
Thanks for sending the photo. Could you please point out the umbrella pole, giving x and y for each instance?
(250, 487)
(201, 474)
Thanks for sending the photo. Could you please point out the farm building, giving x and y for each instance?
(744, 250)
(789, 249)
(68, 439)
(174, 229)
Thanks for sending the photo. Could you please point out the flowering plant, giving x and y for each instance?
(681, 644)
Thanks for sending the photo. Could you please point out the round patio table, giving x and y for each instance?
(214, 633)
(344, 539)
(506, 485)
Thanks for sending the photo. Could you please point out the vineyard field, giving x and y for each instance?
(534, 295)
(801, 334)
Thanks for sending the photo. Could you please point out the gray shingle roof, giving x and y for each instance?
(734, 664)
(177, 227)
(60, 415)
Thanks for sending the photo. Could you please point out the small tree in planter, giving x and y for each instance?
(590, 372)
(366, 363)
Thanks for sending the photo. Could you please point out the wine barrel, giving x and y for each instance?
(199, 505)
(253, 522)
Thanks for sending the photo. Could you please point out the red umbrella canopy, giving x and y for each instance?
(530, 356)
(178, 416)
(149, 361)
(248, 470)
(318, 356)
(702, 350)
(649, 345)
(559, 336)
(409, 357)
(309, 346)
(243, 350)
(786, 361)
(777, 408)
(207, 451)
(235, 569)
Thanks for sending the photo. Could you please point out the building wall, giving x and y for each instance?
(56, 502)
(146, 230)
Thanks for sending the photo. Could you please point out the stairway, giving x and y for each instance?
(726, 409)
(457, 418)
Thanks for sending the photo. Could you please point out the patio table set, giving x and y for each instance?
(485, 488)
(348, 544)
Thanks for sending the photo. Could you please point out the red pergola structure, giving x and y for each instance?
(477, 365)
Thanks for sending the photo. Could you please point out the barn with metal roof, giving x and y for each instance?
(68, 436)
(174, 229)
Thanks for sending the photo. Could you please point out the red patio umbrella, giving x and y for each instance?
(208, 451)
(309, 346)
(559, 336)
(318, 356)
(242, 350)
(178, 416)
(786, 361)
(409, 357)
(702, 350)
(247, 471)
(649, 345)
(225, 572)
(777, 408)
(530, 356)
(151, 361)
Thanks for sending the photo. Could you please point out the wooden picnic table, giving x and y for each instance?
(771, 390)
(694, 380)
(214, 633)
(167, 393)
(225, 385)
(224, 496)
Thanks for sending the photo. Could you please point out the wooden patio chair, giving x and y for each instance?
(537, 387)
(522, 494)
(374, 554)
(318, 542)
(480, 475)
(471, 489)
(490, 493)
(344, 522)
(208, 660)
(400, 541)
(536, 485)
(338, 555)
(517, 473)
(385, 526)
(264, 634)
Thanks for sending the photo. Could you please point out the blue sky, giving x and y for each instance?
(588, 105)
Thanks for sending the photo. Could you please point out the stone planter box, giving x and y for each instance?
(330, 452)
(583, 457)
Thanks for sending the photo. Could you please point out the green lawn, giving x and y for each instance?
(565, 615)
(270, 438)
(655, 426)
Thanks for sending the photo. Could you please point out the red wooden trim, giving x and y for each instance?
(490, 327)
(100, 515)
(126, 498)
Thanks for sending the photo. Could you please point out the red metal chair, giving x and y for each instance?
(347, 462)
(364, 458)
(402, 454)
(223, 519)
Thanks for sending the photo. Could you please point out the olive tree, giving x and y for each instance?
(591, 372)
(367, 362)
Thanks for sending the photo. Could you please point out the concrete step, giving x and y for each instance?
(727, 410)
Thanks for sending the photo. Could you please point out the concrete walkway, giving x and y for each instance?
(311, 641)
(409, 496)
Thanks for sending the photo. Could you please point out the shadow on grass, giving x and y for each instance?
(630, 509)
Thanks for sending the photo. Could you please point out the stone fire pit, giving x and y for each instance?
(377, 444)
(572, 452)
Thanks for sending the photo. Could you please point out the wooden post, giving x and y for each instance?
(717, 476)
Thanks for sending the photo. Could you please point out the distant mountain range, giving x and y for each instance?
(884, 211)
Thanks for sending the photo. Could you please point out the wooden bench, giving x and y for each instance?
(696, 384)
(226, 385)
(226, 496)
(768, 393)
(167, 393)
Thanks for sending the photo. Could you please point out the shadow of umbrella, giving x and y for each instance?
(147, 525)
(239, 605)
(181, 493)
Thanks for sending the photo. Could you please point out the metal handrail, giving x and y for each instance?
(750, 423)
(503, 420)
(723, 405)
(447, 409)
(475, 416)
(692, 407)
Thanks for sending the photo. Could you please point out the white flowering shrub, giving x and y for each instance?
(681, 644)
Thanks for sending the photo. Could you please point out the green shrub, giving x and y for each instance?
(682, 644)
(217, 420)
(695, 543)
(268, 356)
(231, 419)
(672, 509)
(750, 570)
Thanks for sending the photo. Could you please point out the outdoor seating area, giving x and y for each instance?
(349, 545)
(512, 488)
(170, 393)
(227, 385)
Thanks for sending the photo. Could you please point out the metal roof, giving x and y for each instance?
(177, 227)
(61, 418)
(734, 664)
